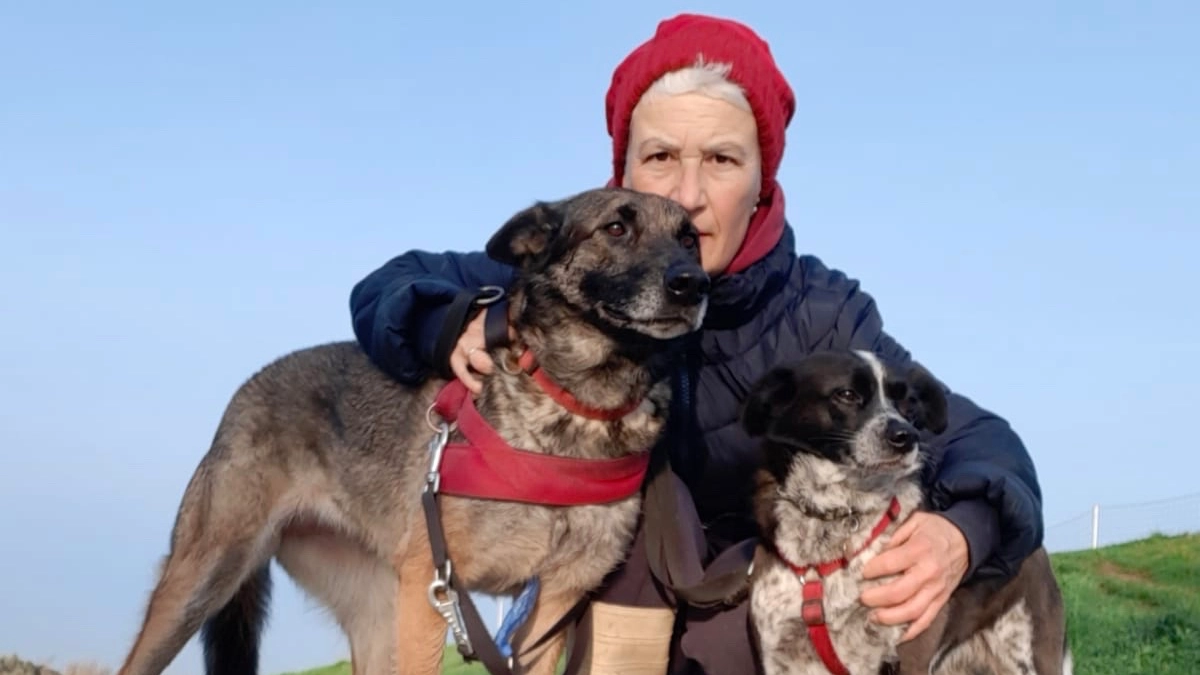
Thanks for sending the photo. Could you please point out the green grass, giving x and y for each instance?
(339, 668)
(1132, 609)
(1135, 607)
(452, 664)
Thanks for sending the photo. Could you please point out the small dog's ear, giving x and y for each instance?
(925, 406)
(767, 399)
(526, 235)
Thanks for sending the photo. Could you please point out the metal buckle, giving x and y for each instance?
(445, 600)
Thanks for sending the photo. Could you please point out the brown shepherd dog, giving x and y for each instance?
(321, 460)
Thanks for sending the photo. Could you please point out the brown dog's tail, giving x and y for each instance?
(231, 636)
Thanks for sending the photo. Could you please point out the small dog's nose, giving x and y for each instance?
(901, 435)
(686, 284)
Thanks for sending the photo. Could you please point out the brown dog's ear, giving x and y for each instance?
(767, 400)
(925, 404)
(526, 235)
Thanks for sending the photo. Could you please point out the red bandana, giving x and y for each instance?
(766, 227)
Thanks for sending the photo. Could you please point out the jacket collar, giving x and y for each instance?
(737, 298)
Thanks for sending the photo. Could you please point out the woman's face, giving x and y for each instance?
(703, 153)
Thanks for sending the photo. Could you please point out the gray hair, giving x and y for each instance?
(708, 79)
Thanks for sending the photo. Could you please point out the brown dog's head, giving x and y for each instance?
(847, 407)
(625, 261)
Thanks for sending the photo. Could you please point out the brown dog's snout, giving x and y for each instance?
(900, 435)
(686, 283)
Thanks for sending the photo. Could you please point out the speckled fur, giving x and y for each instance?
(822, 508)
(320, 458)
(1003, 647)
(824, 486)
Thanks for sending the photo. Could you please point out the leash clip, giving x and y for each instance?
(445, 600)
(437, 446)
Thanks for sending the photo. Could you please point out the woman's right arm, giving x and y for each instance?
(399, 311)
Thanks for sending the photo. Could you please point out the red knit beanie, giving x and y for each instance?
(678, 43)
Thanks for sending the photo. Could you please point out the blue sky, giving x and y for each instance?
(188, 192)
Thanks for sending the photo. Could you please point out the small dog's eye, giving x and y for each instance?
(688, 240)
(616, 229)
(847, 396)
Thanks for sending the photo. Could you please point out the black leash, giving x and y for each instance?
(465, 305)
(665, 554)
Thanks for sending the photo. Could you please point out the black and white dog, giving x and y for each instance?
(841, 470)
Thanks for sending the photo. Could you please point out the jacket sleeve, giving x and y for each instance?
(980, 477)
(399, 310)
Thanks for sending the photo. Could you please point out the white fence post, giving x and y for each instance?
(1125, 522)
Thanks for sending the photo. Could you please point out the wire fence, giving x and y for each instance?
(1106, 524)
(1101, 525)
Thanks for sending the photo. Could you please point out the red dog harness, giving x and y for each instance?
(813, 608)
(486, 466)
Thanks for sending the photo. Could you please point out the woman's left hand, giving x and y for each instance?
(930, 555)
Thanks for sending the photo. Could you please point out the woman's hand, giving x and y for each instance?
(930, 554)
(470, 357)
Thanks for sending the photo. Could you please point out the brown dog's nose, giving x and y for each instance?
(686, 284)
(900, 435)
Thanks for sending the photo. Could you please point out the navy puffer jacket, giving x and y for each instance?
(779, 308)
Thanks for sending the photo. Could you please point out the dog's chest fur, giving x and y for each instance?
(776, 590)
(580, 544)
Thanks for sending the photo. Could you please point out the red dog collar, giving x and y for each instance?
(566, 399)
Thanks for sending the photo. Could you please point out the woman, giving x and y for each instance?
(698, 114)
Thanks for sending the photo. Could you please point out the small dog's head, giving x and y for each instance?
(847, 407)
(627, 261)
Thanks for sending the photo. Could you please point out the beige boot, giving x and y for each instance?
(629, 640)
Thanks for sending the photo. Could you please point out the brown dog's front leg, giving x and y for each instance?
(420, 630)
(549, 609)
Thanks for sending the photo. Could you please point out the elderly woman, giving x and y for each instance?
(698, 113)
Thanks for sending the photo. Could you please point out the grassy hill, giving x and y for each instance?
(1135, 607)
(1132, 609)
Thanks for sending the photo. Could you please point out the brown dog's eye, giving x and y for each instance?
(847, 397)
(616, 229)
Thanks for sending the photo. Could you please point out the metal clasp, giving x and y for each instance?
(445, 600)
(437, 447)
